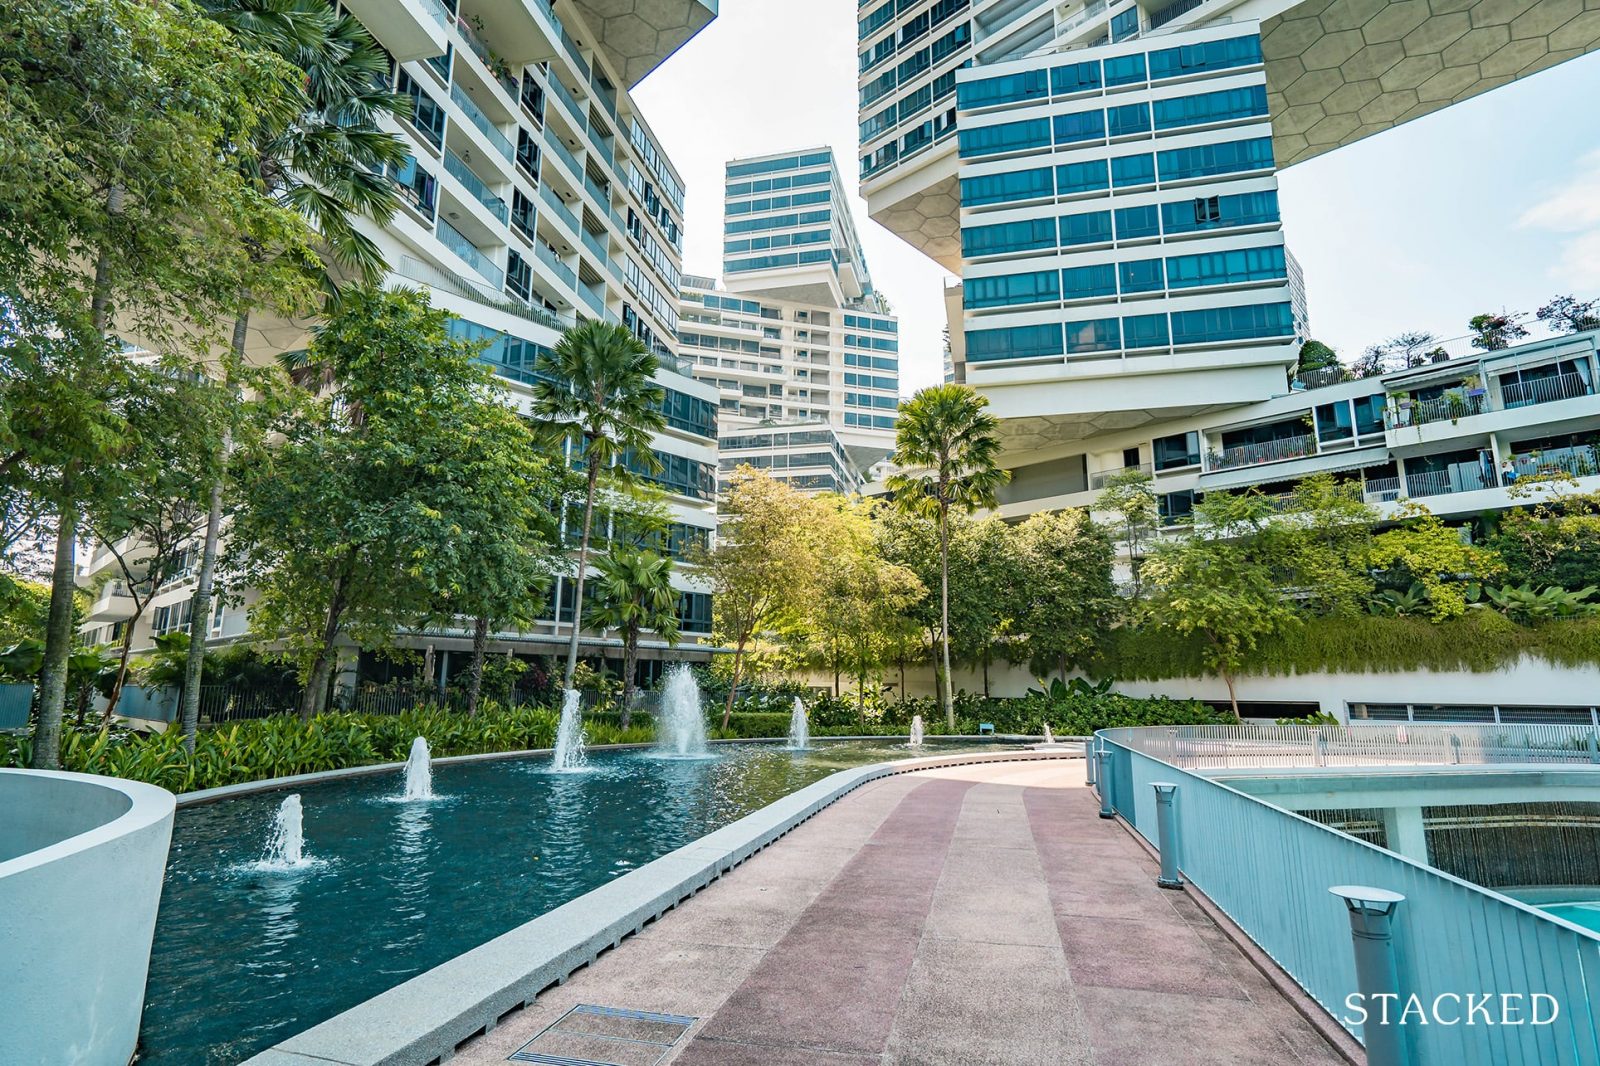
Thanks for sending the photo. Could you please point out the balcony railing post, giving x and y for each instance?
(1377, 971)
(1167, 833)
(1104, 780)
(1091, 748)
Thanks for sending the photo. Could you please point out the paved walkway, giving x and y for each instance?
(974, 915)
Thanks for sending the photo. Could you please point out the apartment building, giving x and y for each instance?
(795, 335)
(535, 196)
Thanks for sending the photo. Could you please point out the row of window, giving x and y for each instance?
(802, 218)
(1103, 335)
(1038, 85)
(778, 203)
(916, 63)
(1130, 278)
(880, 344)
(689, 413)
(779, 183)
(871, 381)
(780, 240)
(871, 362)
(1124, 120)
(769, 166)
(1175, 217)
(773, 262)
(866, 421)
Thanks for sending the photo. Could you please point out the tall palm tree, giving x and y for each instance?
(635, 593)
(328, 161)
(948, 449)
(597, 386)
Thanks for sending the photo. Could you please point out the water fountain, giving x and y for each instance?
(681, 724)
(916, 731)
(419, 772)
(1049, 737)
(569, 736)
(799, 728)
(286, 847)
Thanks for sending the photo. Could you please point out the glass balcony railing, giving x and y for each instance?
(563, 153)
(1097, 481)
(457, 242)
(564, 212)
(475, 185)
(1580, 461)
(602, 197)
(562, 93)
(480, 120)
(551, 260)
(1544, 390)
(499, 68)
(595, 300)
(1272, 451)
(437, 11)
(596, 247)
(1459, 478)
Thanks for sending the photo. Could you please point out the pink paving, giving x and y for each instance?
(974, 915)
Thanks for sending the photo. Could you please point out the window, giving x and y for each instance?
(1004, 188)
(1006, 137)
(1177, 451)
(1219, 212)
(1075, 78)
(1223, 106)
(1078, 283)
(1017, 342)
(1074, 178)
(1092, 227)
(1124, 24)
(1128, 119)
(1125, 70)
(1232, 323)
(1369, 414)
(1210, 55)
(1203, 160)
(1136, 222)
(1141, 275)
(1145, 331)
(1334, 421)
(1025, 235)
(1133, 170)
(1096, 335)
(1006, 89)
(1031, 288)
(875, 89)
(1226, 268)
(1083, 126)
(1175, 507)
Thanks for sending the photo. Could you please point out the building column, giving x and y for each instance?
(1403, 831)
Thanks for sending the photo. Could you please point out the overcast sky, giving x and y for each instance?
(1491, 203)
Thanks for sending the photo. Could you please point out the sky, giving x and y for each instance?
(1493, 203)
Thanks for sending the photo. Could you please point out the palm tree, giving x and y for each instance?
(329, 161)
(947, 447)
(597, 385)
(635, 594)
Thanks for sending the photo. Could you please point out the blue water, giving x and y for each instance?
(245, 958)
(1584, 914)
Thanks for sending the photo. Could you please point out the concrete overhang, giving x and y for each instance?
(635, 36)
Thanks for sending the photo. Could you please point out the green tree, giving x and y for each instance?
(1131, 496)
(597, 386)
(326, 158)
(1423, 549)
(1314, 355)
(1064, 564)
(948, 449)
(1492, 332)
(634, 594)
(1568, 314)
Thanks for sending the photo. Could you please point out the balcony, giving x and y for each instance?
(564, 153)
(598, 249)
(1544, 390)
(1272, 451)
(476, 116)
(1580, 461)
(498, 68)
(1454, 406)
(549, 258)
(562, 93)
(565, 213)
(409, 29)
(453, 239)
(1381, 490)
(1097, 481)
(475, 185)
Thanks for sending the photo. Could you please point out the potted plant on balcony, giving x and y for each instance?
(1457, 404)
(1474, 386)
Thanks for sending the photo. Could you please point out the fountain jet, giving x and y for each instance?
(286, 846)
(569, 736)
(1049, 737)
(916, 731)
(681, 724)
(799, 728)
(419, 772)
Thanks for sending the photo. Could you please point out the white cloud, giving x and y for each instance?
(1573, 208)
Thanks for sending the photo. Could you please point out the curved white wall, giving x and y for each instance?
(81, 864)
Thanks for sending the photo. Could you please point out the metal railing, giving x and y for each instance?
(480, 120)
(1272, 451)
(1446, 482)
(1544, 390)
(1581, 461)
(1270, 871)
(1381, 490)
(1097, 480)
(475, 185)
(425, 274)
(1098, 7)
(1321, 378)
(1422, 412)
(1172, 11)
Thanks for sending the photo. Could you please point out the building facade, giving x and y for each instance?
(535, 196)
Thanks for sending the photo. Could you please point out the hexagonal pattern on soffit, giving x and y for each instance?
(930, 222)
(1341, 70)
(636, 35)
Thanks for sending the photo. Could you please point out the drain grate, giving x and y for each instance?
(590, 1035)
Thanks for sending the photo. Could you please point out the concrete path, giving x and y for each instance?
(975, 915)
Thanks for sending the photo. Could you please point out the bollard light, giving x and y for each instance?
(1167, 833)
(1377, 971)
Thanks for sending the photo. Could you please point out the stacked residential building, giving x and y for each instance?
(1103, 179)
(535, 195)
(804, 353)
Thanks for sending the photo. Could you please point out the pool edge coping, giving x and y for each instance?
(428, 1017)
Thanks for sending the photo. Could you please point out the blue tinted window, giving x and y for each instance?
(1226, 268)
(1096, 335)
(1005, 89)
(1219, 212)
(1134, 222)
(1211, 55)
(1124, 70)
(1217, 324)
(1079, 283)
(1083, 126)
(1205, 159)
(1145, 331)
(1129, 118)
(1141, 275)
(1017, 342)
(1043, 286)
(1081, 177)
(1025, 235)
(1124, 24)
(1133, 170)
(1074, 78)
(1006, 137)
(1000, 188)
(1088, 228)
(1248, 102)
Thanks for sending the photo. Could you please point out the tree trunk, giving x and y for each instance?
(986, 673)
(122, 668)
(902, 679)
(944, 614)
(630, 666)
(58, 634)
(583, 565)
(733, 687)
(480, 648)
(200, 612)
(1233, 697)
(314, 700)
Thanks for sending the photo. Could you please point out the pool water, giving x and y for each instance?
(1584, 914)
(246, 957)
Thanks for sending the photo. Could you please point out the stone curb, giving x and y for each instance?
(425, 1019)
